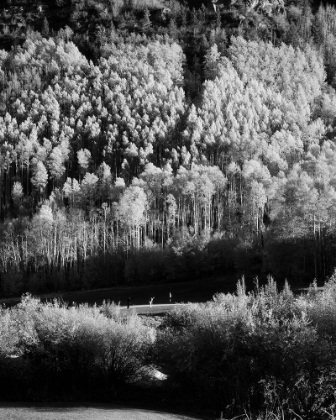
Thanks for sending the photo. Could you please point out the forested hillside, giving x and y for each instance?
(150, 141)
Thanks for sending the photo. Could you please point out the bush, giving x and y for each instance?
(146, 266)
(251, 352)
(72, 352)
(263, 351)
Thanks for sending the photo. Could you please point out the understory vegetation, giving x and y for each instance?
(266, 351)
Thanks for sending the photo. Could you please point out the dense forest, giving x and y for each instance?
(148, 141)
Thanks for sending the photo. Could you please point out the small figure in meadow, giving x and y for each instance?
(151, 301)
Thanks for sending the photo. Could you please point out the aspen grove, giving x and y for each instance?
(128, 166)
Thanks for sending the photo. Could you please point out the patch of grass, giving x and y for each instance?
(195, 291)
(83, 412)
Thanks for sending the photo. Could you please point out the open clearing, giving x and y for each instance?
(196, 291)
(82, 412)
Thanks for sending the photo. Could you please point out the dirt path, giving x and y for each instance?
(150, 309)
(82, 412)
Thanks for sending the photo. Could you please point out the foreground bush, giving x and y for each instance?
(260, 351)
(54, 351)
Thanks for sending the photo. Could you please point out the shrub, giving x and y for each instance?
(73, 352)
(251, 351)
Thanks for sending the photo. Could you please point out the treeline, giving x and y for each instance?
(266, 353)
(150, 164)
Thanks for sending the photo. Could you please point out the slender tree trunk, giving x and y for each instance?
(315, 248)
